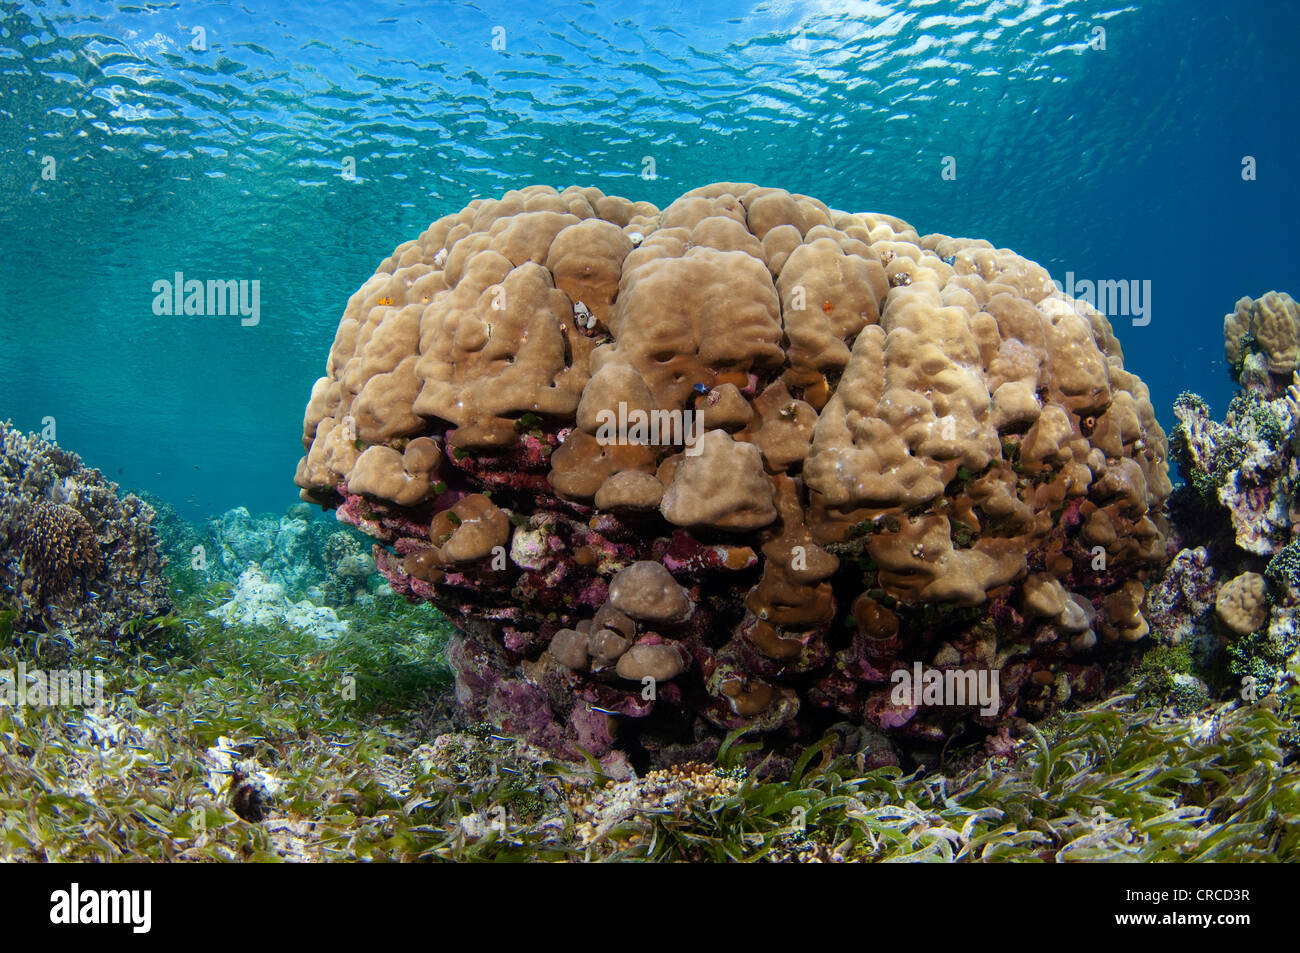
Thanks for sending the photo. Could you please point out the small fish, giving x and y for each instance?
(603, 711)
(385, 301)
(701, 388)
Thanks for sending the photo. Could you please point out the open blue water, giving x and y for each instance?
(227, 162)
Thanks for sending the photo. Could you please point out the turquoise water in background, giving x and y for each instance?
(227, 162)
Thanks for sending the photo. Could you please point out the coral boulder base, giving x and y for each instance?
(733, 464)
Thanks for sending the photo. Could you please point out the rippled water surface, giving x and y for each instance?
(212, 139)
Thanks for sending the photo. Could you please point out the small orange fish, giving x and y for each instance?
(385, 301)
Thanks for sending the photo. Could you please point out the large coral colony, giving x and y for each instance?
(746, 466)
(890, 452)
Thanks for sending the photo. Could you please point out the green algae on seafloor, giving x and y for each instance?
(1112, 782)
(1155, 676)
(355, 780)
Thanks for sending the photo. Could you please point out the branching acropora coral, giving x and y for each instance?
(57, 547)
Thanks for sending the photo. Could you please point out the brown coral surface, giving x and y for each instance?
(57, 548)
(743, 459)
(1274, 321)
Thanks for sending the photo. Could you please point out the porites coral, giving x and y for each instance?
(784, 406)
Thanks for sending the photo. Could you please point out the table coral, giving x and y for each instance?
(844, 445)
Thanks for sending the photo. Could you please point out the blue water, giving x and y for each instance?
(226, 162)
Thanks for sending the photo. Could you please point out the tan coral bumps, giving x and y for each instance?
(1241, 603)
(1274, 320)
(813, 408)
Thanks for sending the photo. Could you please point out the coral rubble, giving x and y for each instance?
(732, 464)
(308, 558)
(258, 601)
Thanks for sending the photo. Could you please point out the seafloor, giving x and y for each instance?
(229, 743)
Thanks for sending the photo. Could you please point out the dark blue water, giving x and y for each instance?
(226, 162)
